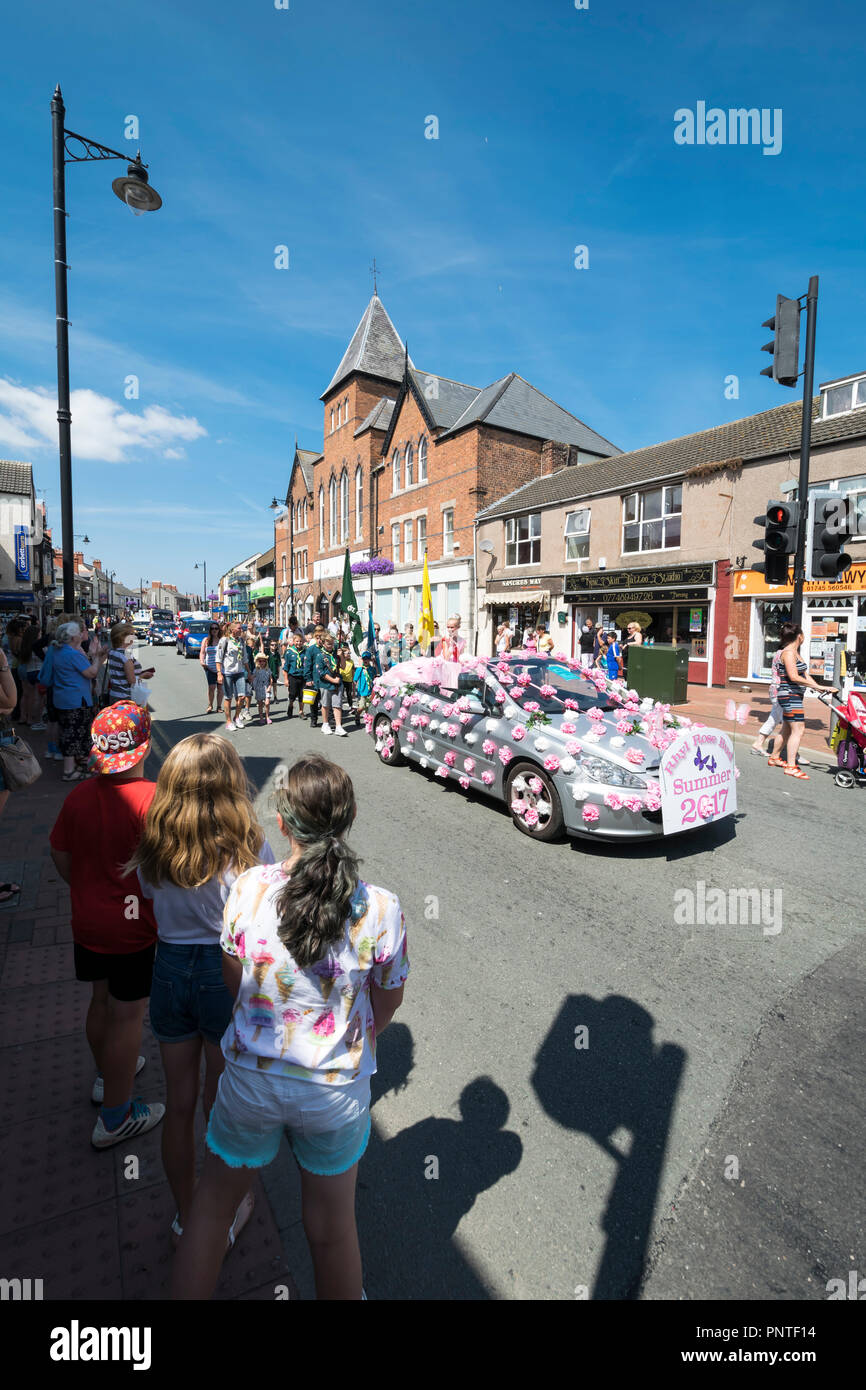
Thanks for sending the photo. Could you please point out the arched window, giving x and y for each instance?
(422, 461)
(395, 471)
(332, 419)
(332, 512)
(321, 517)
(284, 569)
(359, 501)
(410, 465)
(344, 506)
(346, 411)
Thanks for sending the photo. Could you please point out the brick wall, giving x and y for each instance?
(739, 619)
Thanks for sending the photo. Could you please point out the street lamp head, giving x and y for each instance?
(135, 191)
(275, 504)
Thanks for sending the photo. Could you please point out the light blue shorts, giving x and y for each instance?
(328, 1127)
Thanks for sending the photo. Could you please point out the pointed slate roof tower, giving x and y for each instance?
(376, 350)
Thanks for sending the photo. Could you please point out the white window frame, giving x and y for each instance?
(641, 521)
(447, 532)
(580, 533)
(332, 512)
(409, 458)
(395, 542)
(408, 535)
(395, 471)
(321, 516)
(422, 459)
(513, 540)
(422, 537)
(857, 385)
(359, 502)
(344, 506)
(332, 419)
(284, 569)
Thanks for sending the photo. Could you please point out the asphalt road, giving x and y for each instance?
(580, 1064)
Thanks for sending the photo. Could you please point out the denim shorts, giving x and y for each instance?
(234, 687)
(328, 1126)
(188, 997)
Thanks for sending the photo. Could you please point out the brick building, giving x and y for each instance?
(408, 458)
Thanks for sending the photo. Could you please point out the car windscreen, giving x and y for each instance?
(198, 629)
(550, 685)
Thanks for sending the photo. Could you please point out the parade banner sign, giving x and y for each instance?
(698, 779)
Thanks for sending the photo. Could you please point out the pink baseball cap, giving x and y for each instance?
(121, 737)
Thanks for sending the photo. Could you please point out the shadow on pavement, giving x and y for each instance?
(407, 1217)
(612, 1077)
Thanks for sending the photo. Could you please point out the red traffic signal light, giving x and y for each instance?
(779, 541)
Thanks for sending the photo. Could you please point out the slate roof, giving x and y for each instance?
(376, 348)
(15, 477)
(379, 417)
(772, 432)
(513, 403)
(446, 400)
(306, 459)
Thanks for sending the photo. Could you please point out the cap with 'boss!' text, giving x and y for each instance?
(121, 737)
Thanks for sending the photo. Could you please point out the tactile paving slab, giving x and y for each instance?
(50, 1167)
(35, 966)
(77, 1256)
(53, 1011)
(256, 1263)
(44, 1075)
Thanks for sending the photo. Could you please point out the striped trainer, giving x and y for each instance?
(140, 1119)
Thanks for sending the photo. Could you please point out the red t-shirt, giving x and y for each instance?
(100, 824)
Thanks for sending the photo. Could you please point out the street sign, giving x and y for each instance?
(698, 780)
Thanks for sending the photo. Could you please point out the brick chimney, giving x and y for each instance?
(553, 457)
(77, 560)
(97, 565)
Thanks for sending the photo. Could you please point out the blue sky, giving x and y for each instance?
(305, 127)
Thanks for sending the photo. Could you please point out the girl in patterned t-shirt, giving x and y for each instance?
(317, 960)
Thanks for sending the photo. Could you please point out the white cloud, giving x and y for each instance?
(101, 428)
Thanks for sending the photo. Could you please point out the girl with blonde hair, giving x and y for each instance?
(199, 835)
(316, 960)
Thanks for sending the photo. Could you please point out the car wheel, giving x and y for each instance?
(387, 743)
(540, 810)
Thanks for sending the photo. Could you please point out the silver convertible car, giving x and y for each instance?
(565, 749)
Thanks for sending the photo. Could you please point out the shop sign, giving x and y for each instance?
(698, 780)
(666, 577)
(752, 583)
(634, 597)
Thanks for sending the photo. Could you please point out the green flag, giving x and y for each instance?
(350, 604)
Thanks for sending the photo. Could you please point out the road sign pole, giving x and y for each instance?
(805, 448)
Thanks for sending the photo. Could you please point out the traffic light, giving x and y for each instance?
(785, 347)
(780, 540)
(829, 528)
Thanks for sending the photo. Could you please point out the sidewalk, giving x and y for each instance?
(707, 705)
(78, 1218)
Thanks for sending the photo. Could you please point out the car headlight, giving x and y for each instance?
(600, 770)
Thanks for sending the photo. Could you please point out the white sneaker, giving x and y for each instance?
(140, 1119)
(341, 732)
(232, 726)
(326, 728)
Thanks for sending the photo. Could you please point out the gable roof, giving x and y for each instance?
(306, 458)
(513, 403)
(16, 477)
(445, 400)
(379, 417)
(775, 431)
(376, 349)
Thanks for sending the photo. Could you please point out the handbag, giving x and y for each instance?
(20, 766)
(103, 687)
(139, 693)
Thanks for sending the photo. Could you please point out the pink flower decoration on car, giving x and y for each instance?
(531, 816)
(548, 691)
(465, 718)
(469, 765)
(488, 747)
(551, 763)
(518, 732)
(633, 803)
(518, 806)
(441, 772)
(446, 710)
(536, 785)
(423, 720)
(505, 755)
(634, 755)
(487, 778)
(410, 737)
(566, 727)
(532, 707)
(570, 704)
(623, 726)
(524, 678)
(464, 782)
(653, 800)
(596, 714)
(613, 801)
(389, 704)
(434, 704)
(450, 757)
(452, 730)
(396, 723)
(573, 747)
(590, 813)
(500, 697)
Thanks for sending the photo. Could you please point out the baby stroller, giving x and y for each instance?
(849, 738)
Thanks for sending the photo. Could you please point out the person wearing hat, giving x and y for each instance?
(261, 683)
(113, 926)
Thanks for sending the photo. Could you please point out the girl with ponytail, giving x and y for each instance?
(316, 960)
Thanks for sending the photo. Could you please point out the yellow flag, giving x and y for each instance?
(425, 622)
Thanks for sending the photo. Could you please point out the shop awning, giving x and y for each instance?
(511, 596)
(264, 588)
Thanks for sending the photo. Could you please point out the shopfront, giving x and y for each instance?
(672, 604)
(523, 604)
(834, 614)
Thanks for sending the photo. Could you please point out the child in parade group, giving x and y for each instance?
(200, 833)
(347, 676)
(330, 687)
(113, 930)
(274, 661)
(364, 676)
(261, 683)
(293, 670)
(312, 665)
(317, 962)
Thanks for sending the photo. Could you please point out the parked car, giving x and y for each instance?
(574, 748)
(161, 634)
(190, 638)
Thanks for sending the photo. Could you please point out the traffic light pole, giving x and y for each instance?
(805, 449)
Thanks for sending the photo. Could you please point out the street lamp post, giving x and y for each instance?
(274, 506)
(202, 565)
(135, 191)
